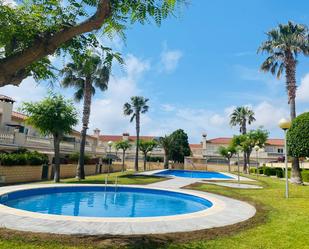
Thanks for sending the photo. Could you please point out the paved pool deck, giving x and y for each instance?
(225, 211)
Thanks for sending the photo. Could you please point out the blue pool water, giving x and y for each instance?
(96, 201)
(193, 174)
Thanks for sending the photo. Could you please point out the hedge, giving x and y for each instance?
(305, 175)
(25, 158)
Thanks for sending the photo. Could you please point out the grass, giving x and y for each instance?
(279, 224)
(123, 178)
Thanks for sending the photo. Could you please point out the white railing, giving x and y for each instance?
(38, 141)
(6, 138)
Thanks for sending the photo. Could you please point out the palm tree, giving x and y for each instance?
(166, 143)
(90, 72)
(283, 45)
(242, 116)
(136, 107)
(124, 146)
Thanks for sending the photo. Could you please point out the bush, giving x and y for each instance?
(74, 157)
(154, 159)
(270, 171)
(25, 158)
(298, 136)
(305, 175)
(279, 173)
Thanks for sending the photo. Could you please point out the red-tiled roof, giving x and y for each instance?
(195, 146)
(220, 140)
(227, 140)
(116, 138)
(18, 115)
(275, 141)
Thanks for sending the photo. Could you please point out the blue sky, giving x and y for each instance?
(195, 69)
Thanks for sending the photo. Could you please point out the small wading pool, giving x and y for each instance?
(194, 174)
(98, 201)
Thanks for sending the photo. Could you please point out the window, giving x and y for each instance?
(280, 150)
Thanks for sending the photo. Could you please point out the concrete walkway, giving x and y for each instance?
(174, 183)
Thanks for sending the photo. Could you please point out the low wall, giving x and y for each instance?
(16, 174)
(212, 167)
(149, 165)
(303, 165)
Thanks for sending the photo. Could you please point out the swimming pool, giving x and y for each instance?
(193, 174)
(100, 201)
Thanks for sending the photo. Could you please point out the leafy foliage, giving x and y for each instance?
(146, 146)
(29, 22)
(227, 152)
(137, 105)
(241, 116)
(180, 146)
(123, 145)
(298, 136)
(53, 115)
(286, 39)
(23, 158)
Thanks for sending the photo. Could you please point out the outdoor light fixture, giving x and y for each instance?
(257, 148)
(285, 124)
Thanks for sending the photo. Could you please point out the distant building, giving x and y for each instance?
(15, 133)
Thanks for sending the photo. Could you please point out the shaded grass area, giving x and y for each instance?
(123, 178)
(278, 224)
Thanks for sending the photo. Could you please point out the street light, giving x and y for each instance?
(256, 148)
(285, 124)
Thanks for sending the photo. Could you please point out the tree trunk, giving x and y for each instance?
(244, 131)
(123, 156)
(229, 161)
(145, 160)
(57, 158)
(13, 68)
(248, 161)
(290, 69)
(165, 159)
(80, 171)
(137, 141)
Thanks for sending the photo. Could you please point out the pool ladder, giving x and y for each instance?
(116, 183)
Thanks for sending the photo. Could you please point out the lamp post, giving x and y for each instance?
(256, 148)
(238, 177)
(285, 124)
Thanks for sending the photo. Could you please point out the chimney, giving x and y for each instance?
(125, 136)
(96, 132)
(6, 108)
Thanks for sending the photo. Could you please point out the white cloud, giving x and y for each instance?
(12, 3)
(303, 89)
(169, 60)
(29, 90)
(167, 107)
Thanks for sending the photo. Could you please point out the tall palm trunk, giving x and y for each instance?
(80, 172)
(137, 118)
(244, 131)
(165, 159)
(290, 65)
(57, 158)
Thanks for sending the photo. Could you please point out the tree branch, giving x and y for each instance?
(12, 68)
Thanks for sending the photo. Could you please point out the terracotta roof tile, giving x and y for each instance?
(195, 146)
(227, 140)
(116, 138)
(18, 115)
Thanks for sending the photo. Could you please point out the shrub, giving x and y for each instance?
(253, 170)
(305, 175)
(269, 171)
(154, 159)
(74, 157)
(279, 173)
(23, 158)
(298, 136)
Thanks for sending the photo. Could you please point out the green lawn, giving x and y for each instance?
(280, 224)
(123, 178)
